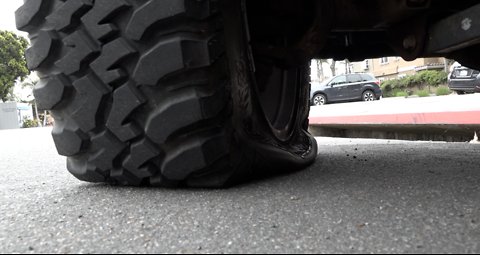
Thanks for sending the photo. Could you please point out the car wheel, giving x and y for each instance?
(165, 98)
(368, 96)
(319, 99)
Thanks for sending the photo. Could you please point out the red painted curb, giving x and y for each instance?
(438, 118)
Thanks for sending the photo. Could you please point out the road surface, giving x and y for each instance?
(360, 196)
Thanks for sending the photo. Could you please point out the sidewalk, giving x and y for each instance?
(448, 118)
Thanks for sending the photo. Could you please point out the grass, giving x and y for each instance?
(423, 93)
(443, 91)
(395, 93)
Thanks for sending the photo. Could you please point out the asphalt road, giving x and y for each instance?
(360, 196)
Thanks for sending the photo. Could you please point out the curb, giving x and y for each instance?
(455, 126)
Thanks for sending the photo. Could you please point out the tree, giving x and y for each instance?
(13, 65)
(320, 72)
(332, 67)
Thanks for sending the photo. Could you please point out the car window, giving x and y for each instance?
(353, 78)
(366, 77)
(339, 80)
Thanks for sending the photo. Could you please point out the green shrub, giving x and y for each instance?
(387, 91)
(395, 93)
(439, 78)
(386, 85)
(401, 94)
(442, 91)
(408, 81)
(387, 94)
(28, 123)
(432, 78)
(419, 80)
(399, 84)
(423, 93)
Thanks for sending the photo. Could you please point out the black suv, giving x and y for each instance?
(464, 80)
(350, 87)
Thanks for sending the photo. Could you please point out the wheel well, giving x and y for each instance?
(365, 90)
(319, 93)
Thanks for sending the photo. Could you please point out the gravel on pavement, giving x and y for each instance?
(361, 196)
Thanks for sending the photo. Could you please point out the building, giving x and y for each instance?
(395, 67)
(13, 114)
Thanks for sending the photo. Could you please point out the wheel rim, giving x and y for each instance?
(278, 87)
(368, 96)
(319, 100)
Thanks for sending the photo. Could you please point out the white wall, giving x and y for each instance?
(9, 116)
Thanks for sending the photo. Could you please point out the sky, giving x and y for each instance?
(7, 15)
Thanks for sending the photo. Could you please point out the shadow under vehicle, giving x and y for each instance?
(214, 92)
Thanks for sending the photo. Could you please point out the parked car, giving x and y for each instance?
(464, 80)
(350, 87)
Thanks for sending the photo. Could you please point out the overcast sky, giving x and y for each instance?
(7, 15)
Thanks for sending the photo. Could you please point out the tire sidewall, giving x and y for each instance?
(252, 129)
